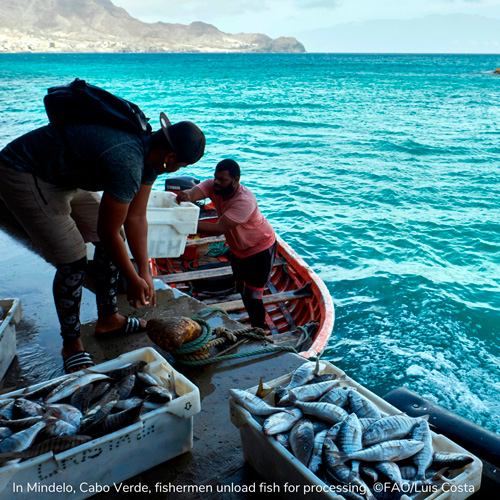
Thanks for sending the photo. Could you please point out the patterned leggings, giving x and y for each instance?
(67, 289)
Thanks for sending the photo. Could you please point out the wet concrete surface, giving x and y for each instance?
(216, 457)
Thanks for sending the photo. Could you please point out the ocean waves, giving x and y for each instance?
(381, 171)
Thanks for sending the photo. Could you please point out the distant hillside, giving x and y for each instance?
(454, 33)
(100, 26)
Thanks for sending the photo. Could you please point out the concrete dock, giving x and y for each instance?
(216, 457)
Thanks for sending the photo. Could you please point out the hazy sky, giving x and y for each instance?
(288, 17)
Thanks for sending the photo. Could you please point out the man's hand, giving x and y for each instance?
(152, 292)
(138, 292)
(182, 196)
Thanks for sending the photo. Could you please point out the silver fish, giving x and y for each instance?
(423, 458)
(451, 460)
(158, 394)
(118, 420)
(366, 422)
(22, 439)
(132, 368)
(409, 472)
(349, 438)
(333, 432)
(99, 411)
(302, 440)
(129, 403)
(44, 389)
(5, 432)
(20, 424)
(323, 378)
(67, 387)
(283, 439)
(55, 445)
(125, 386)
(317, 454)
(331, 414)
(362, 406)
(281, 422)
(98, 390)
(150, 406)
(304, 374)
(23, 408)
(397, 449)
(65, 412)
(390, 470)
(146, 379)
(320, 426)
(252, 403)
(78, 397)
(337, 396)
(340, 472)
(393, 427)
(369, 472)
(283, 398)
(57, 428)
(6, 401)
(7, 409)
(310, 392)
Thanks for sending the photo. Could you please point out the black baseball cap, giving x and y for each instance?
(186, 139)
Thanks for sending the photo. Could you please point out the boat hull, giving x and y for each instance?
(295, 295)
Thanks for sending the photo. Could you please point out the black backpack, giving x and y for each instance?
(78, 102)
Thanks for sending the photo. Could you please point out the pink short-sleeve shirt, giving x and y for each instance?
(253, 234)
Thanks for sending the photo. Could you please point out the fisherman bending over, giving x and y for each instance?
(48, 181)
(249, 235)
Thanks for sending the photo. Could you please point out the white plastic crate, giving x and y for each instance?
(169, 225)
(10, 316)
(76, 473)
(278, 466)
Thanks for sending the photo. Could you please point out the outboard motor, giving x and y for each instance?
(180, 183)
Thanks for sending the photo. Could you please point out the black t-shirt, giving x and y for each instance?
(99, 158)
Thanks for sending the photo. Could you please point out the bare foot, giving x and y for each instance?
(70, 348)
(113, 322)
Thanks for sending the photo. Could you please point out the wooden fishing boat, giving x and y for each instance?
(295, 295)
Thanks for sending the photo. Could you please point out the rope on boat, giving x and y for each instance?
(197, 352)
(209, 310)
(217, 249)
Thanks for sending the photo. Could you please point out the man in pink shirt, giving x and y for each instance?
(249, 235)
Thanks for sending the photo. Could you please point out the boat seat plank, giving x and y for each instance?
(302, 293)
(216, 272)
(196, 242)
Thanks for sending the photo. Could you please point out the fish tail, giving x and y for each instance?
(317, 367)
(337, 458)
(439, 475)
(340, 457)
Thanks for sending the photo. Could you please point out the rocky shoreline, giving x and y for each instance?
(99, 26)
(16, 42)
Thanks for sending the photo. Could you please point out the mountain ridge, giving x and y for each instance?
(100, 26)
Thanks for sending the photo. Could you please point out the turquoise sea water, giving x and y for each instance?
(382, 171)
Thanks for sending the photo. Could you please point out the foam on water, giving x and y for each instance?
(380, 170)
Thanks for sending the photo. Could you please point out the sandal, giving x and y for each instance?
(132, 325)
(80, 358)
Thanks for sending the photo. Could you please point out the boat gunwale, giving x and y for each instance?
(319, 289)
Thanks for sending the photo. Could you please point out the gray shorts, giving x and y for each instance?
(58, 220)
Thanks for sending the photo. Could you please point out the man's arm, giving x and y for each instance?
(192, 195)
(211, 229)
(136, 229)
(223, 225)
(112, 215)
